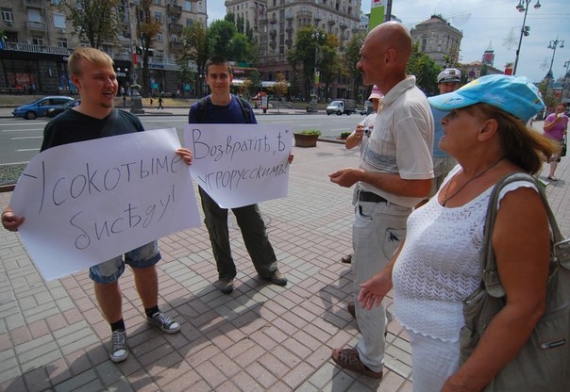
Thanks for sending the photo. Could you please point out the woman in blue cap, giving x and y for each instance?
(438, 266)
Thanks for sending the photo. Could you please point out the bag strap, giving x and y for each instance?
(109, 122)
(490, 276)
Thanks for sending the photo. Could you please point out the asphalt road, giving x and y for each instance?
(21, 139)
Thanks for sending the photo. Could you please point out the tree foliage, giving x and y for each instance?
(280, 87)
(220, 34)
(147, 29)
(92, 20)
(304, 55)
(196, 48)
(425, 70)
(351, 58)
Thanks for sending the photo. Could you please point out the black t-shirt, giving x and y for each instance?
(72, 126)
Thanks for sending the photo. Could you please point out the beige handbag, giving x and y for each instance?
(543, 363)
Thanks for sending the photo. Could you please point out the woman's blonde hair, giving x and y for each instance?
(522, 145)
(94, 56)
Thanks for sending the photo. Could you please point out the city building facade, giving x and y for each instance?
(276, 23)
(40, 38)
(438, 40)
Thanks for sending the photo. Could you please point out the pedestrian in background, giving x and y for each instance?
(160, 100)
(395, 174)
(555, 128)
(448, 81)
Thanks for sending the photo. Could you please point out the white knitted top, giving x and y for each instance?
(439, 265)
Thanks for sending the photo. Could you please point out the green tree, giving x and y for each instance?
(147, 29)
(253, 83)
(351, 58)
(303, 55)
(196, 49)
(425, 71)
(239, 48)
(92, 20)
(220, 34)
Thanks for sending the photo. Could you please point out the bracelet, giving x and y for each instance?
(5, 212)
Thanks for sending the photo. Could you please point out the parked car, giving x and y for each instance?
(52, 112)
(39, 107)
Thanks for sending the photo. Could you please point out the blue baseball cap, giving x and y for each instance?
(513, 94)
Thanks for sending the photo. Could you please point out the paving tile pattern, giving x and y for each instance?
(262, 337)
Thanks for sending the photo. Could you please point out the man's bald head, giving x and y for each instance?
(385, 54)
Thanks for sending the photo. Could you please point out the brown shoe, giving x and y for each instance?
(278, 278)
(348, 358)
(347, 259)
(351, 310)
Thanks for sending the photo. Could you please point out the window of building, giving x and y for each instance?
(7, 14)
(158, 16)
(34, 15)
(159, 37)
(189, 22)
(62, 42)
(59, 21)
(188, 6)
(55, 2)
(157, 2)
(37, 40)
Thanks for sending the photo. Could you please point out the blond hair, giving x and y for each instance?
(94, 56)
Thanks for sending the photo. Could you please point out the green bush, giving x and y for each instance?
(310, 132)
(344, 135)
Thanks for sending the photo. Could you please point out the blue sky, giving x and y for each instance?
(485, 23)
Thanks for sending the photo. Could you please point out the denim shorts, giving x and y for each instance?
(109, 271)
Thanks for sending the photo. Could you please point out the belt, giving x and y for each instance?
(371, 197)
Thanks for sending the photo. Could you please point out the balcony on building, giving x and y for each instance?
(289, 29)
(273, 33)
(174, 10)
(37, 26)
(289, 15)
(175, 28)
(304, 14)
(176, 46)
(35, 3)
(273, 20)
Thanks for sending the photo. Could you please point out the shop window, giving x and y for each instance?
(62, 42)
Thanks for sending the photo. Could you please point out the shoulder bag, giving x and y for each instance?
(543, 363)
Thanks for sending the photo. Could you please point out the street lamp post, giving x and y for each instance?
(524, 29)
(316, 36)
(565, 92)
(136, 99)
(553, 45)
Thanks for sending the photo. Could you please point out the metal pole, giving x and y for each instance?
(521, 38)
(388, 11)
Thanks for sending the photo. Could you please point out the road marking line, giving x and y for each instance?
(28, 149)
(26, 137)
(22, 130)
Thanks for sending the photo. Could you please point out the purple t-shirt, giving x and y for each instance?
(557, 130)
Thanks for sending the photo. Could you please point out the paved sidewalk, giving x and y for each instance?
(259, 338)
